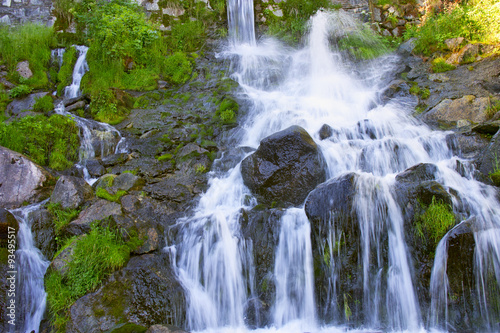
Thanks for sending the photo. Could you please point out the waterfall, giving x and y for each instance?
(311, 87)
(30, 266)
(79, 70)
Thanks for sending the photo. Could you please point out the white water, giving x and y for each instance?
(31, 266)
(79, 70)
(311, 87)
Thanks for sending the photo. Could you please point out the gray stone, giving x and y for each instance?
(5, 19)
(23, 68)
(449, 112)
(438, 77)
(75, 106)
(18, 106)
(126, 182)
(454, 43)
(21, 180)
(98, 211)
(71, 192)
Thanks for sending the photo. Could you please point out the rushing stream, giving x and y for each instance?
(310, 87)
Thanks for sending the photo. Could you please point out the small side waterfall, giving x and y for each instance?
(241, 21)
(79, 70)
(31, 266)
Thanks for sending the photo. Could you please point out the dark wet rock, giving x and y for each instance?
(21, 180)
(18, 106)
(397, 88)
(325, 132)
(488, 128)
(70, 101)
(126, 182)
(285, 168)
(147, 167)
(7, 223)
(114, 159)
(75, 106)
(231, 158)
(406, 48)
(71, 192)
(144, 293)
(466, 145)
(97, 211)
(262, 228)
(489, 161)
(418, 173)
(95, 168)
(42, 227)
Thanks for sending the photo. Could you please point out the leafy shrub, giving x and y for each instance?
(30, 42)
(292, 26)
(52, 142)
(188, 36)
(363, 43)
(20, 91)
(178, 68)
(476, 20)
(43, 104)
(439, 65)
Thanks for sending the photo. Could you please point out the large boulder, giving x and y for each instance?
(97, 211)
(489, 160)
(8, 224)
(21, 180)
(19, 106)
(450, 112)
(143, 293)
(71, 192)
(285, 168)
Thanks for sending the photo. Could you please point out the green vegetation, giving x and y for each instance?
(200, 168)
(495, 175)
(364, 43)
(433, 224)
(62, 216)
(227, 111)
(94, 257)
(417, 91)
(20, 91)
(43, 104)
(31, 42)
(178, 68)
(475, 20)
(493, 108)
(439, 65)
(292, 25)
(66, 72)
(52, 142)
(104, 194)
(4, 101)
(187, 37)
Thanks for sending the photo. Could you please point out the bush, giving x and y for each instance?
(43, 104)
(30, 42)
(474, 20)
(52, 142)
(178, 68)
(20, 91)
(187, 37)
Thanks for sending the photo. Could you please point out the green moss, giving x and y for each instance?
(52, 142)
(227, 110)
(433, 224)
(165, 157)
(104, 194)
(363, 43)
(439, 65)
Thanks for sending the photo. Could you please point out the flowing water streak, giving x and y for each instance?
(241, 21)
(31, 266)
(79, 70)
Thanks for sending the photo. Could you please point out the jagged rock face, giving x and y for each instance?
(490, 160)
(285, 168)
(262, 228)
(143, 293)
(71, 192)
(21, 180)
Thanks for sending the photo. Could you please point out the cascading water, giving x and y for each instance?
(88, 128)
(31, 266)
(312, 87)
